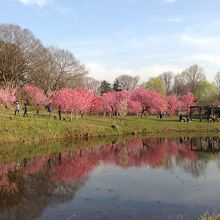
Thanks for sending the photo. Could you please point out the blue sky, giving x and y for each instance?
(136, 37)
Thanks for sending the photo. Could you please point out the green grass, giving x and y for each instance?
(209, 217)
(19, 129)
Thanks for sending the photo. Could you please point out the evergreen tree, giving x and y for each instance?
(105, 87)
(117, 86)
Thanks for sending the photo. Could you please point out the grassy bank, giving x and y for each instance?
(34, 128)
(209, 217)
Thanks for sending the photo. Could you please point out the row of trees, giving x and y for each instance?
(192, 79)
(25, 60)
(82, 101)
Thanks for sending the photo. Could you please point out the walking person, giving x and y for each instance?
(25, 110)
(37, 108)
(17, 107)
(49, 109)
(59, 111)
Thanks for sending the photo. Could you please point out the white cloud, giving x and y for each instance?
(59, 9)
(100, 71)
(170, 1)
(39, 3)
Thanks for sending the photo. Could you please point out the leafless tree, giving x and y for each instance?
(19, 50)
(188, 80)
(59, 69)
(91, 84)
(23, 59)
(126, 82)
(179, 86)
(167, 78)
(217, 79)
(11, 65)
(192, 76)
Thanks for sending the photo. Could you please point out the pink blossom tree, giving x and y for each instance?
(96, 105)
(149, 100)
(7, 96)
(73, 101)
(187, 100)
(116, 103)
(182, 103)
(134, 107)
(173, 105)
(122, 98)
(109, 103)
(122, 109)
(35, 96)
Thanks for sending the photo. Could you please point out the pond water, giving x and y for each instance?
(143, 178)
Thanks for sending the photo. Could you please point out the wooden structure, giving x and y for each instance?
(209, 109)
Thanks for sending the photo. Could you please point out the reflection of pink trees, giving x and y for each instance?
(5, 179)
(152, 152)
(35, 166)
(71, 168)
(76, 164)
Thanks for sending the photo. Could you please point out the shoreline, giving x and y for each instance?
(35, 129)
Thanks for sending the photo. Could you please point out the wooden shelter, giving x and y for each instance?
(208, 110)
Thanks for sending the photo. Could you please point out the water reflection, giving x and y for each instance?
(54, 179)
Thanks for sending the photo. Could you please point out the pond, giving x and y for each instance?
(142, 178)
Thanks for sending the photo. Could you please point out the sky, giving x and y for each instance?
(135, 37)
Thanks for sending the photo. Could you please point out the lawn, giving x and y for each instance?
(34, 128)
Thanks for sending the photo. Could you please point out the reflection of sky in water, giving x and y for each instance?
(138, 179)
(115, 193)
